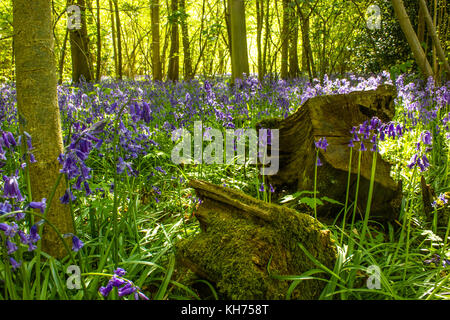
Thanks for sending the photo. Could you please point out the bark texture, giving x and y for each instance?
(156, 46)
(174, 59)
(79, 42)
(241, 235)
(239, 55)
(39, 112)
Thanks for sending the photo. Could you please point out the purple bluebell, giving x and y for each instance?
(77, 244)
(39, 205)
(11, 188)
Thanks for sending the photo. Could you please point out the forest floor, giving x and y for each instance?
(131, 203)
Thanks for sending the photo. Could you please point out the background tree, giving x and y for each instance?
(39, 112)
(173, 68)
(156, 54)
(187, 61)
(411, 37)
(239, 55)
(79, 43)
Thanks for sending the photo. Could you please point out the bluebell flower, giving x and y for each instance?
(11, 188)
(14, 263)
(116, 282)
(427, 138)
(11, 247)
(77, 244)
(127, 290)
(106, 290)
(322, 144)
(120, 272)
(68, 196)
(5, 207)
(272, 190)
(39, 205)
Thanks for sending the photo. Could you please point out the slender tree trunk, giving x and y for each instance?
(411, 37)
(187, 60)
(239, 55)
(173, 69)
(227, 9)
(294, 70)
(119, 40)
(259, 27)
(437, 43)
(307, 58)
(63, 57)
(99, 44)
(164, 49)
(156, 55)
(285, 40)
(421, 25)
(39, 112)
(266, 37)
(79, 42)
(113, 29)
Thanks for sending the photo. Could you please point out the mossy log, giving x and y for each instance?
(333, 117)
(240, 235)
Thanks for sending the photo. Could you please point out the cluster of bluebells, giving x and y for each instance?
(420, 159)
(263, 189)
(11, 232)
(13, 208)
(125, 287)
(322, 144)
(73, 160)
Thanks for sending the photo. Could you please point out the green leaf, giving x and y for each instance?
(332, 201)
(310, 202)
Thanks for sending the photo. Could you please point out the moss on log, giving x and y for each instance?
(240, 235)
(333, 117)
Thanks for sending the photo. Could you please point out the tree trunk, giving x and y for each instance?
(294, 70)
(266, 37)
(79, 42)
(99, 44)
(437, 43)
(156, 55)
(307, 59)
(39, 112)
(227, 14)
(63, 57)
(243, 241)
(421, 25)
(113, 29)
(187, 60)
(174, 59)
(285, 41)
(412, 39)
(259, 27)
(119, 40)
(239, 55)
(333, 117)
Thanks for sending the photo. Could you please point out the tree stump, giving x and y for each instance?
(240, 235)
(333, 117)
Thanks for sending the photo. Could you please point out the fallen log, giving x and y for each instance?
(242, 239)
(333, 117)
